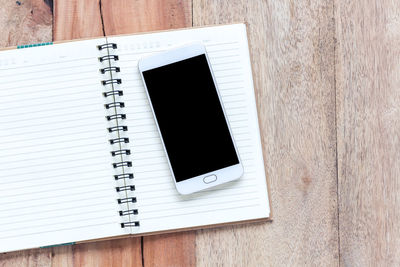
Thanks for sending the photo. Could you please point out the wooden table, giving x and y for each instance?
(327, 77)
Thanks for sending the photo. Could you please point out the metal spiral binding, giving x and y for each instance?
(108, 57)
(119, 130)
(116, 117)
(126, 200)
(119, 140)
(115, 92)
(107, 45)
(104, 70)
(130, 224)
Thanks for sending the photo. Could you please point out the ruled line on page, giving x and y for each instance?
(58, 162)
(46, 84)
(64, 174)
(60, 181)
(162, 176)
(72, 96)
(139, 155)
(71, 187)
(61, 101)
(222, 43)
(62, 215)
(197, 212)
(38, 220)
(52, 69)
(63, 229)
(52, 128)
(177, 209)
(47, 64)
(71, 93)
(73, 114)
(57, 89)
(4, 82)
(138, 77)
(141, 52)
(62, 122)
(72, 201)
(141, 95)
(198, 195)
(167, 180)
(51, 143)
(225, 195)
(51, 136)
(43, 158)
(59, 196)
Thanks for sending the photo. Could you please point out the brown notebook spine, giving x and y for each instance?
(122, 165)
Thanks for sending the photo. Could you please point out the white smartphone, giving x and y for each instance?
(190, 118)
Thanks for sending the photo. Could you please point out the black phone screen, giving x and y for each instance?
(190, 117)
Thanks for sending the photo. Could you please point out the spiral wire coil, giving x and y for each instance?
(116, 128)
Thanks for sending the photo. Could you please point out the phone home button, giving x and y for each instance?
(210, 179)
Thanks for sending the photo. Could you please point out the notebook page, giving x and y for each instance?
(159, 204)
(56, 178)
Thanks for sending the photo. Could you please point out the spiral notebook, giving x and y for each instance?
(80, 155)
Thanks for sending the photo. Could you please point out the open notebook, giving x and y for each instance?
(65, 176)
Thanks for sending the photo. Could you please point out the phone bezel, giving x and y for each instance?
(196, 183)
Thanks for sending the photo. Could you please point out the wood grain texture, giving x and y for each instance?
(82, 19)
(76, 19)
(292, 44)
(119, 252)
(34, 258)
(296, 66)
(177, 249)
(126, 16)
(368, 115)
(24, 22)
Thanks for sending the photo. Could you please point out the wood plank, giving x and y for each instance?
(123, 16)
(82, 19)
(126, 16)
(70, 22)
(34, 258)
(120, 252)
(292, 46)
(24, 22)
(76, 19)
(368, 113)
(177, 249)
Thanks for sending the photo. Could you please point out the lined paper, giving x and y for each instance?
(159, 204)
(56, 178)
(56, 175)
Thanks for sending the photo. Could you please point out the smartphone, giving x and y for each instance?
(190, 118)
